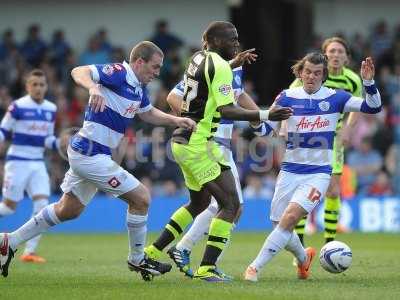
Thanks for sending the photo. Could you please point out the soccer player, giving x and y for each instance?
(339, 77)
(117, 92)
(181, 252)
(208, 97)
(29, 123)
(307, 165)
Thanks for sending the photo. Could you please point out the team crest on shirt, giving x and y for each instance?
(108, 70)
(225, 89)
(48, 116)
(324, 105)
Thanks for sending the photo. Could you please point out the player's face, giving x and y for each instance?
(147, 71)
(312, 76)
(337, 56)
(36, 86)
(229, 44)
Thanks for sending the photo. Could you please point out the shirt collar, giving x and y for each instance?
(130, 75)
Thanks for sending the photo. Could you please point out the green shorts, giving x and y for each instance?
(199, 163)
(338, 157)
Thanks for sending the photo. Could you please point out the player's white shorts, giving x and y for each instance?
(25, 175)
(87, 174)
(235, 173)
(304, 189)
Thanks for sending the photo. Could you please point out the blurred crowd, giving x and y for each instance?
(370, 156)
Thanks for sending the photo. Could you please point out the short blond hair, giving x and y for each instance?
(145, 50)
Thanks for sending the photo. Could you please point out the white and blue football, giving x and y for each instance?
(335, 257)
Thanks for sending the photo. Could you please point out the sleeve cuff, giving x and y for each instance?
(95, 73)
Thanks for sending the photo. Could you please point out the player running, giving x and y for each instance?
(29, 123)
(339, 77)
(181, 252)
(208, 97)
(307, 165)
(117, 93)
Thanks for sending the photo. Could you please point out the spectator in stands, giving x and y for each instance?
(164, 39)
(33, 49)
(380, 39)
(367, 163)
(94, 54)
(381, 186)
(105, 44)
(59, 49)
(7, 44)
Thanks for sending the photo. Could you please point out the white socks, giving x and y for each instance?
(198, 229)
(5, 210)
(276, 241)
(38, 224)
(32, 244)
(296, 248)
(137, 231)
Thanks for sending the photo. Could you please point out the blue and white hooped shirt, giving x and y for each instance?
(30, 126)
(311, 129)
(125, 96)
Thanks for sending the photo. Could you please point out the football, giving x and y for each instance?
(335, 257)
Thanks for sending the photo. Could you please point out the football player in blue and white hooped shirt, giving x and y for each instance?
(117, 92)
(223, 137)
(306, 167)
(29, 124)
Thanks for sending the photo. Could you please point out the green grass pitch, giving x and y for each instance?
(93, 267)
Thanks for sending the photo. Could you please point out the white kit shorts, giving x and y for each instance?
(304, 189)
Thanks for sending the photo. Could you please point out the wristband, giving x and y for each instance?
(264, 114)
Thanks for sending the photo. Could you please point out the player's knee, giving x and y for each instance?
(67, 211)
(238, 213)
(233, 204)
(289, 221)
(142, 199)
(333, 192)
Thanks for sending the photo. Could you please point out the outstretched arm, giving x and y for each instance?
(372, 103)
(275, 113)
(157, 117)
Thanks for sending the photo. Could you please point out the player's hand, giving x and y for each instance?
(97, 102)
(367, 69)
(278, 113)
(186, 123)
(247, 56)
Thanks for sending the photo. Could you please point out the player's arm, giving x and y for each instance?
(8, 122)
(260, 128)
(175, 97)
(247, 56)
(51, 141)
(157, 117)
(87, 77)
(221, 87)
(372, 103)
(174, 102)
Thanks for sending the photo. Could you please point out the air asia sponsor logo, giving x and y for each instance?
(131, 109)
(225, 89)
(36, 127)
(311, 124)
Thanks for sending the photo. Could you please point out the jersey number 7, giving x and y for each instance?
(189, 93)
